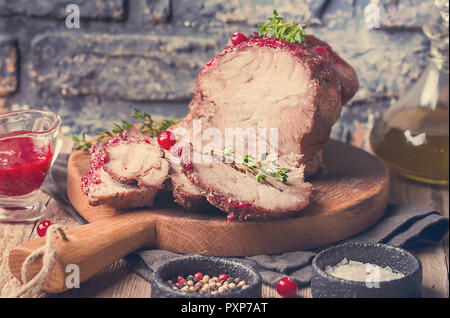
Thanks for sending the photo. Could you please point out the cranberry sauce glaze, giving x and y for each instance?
(24, 163)
(318, 52)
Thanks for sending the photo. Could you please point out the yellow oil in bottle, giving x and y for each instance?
(412, 135)
(415, 141)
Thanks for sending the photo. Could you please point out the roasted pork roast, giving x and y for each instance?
(259, 84)
(266, 83)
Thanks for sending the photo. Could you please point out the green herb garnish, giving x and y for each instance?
(80, 143)
(262, 168)
(281, 174)
(278, 28)
(148, 127)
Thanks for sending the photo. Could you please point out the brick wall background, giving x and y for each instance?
(146, 53)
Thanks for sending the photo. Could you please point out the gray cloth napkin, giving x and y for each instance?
(402, 225)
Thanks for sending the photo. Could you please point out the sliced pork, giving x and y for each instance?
(235, 189)
(126, 171)
(185, 193)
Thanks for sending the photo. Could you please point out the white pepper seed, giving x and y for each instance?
(221, 289)
(245, 286)
(231, 285)
(190, 283)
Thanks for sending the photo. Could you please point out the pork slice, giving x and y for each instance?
(185, 193)
(133, 158)
(235, 189)
(106, 190)
(122, 175)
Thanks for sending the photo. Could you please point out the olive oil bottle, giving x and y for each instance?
(412, 136)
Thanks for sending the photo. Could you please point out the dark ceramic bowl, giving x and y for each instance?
(324, 285)
(211, 266)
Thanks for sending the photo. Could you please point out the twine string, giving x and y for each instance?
(48, 253)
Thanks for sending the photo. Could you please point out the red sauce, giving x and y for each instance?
(97, 161)
(23, 164)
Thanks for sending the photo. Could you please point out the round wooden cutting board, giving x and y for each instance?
(350, 195)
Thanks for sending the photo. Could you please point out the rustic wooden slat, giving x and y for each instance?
(10, 236)
(434, 258)
(116, 281)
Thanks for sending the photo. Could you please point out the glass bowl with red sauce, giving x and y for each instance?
(29, 143)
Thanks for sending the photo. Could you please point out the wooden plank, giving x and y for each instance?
(434, 258)
(116, 281)
(435, 275)
(11, 235)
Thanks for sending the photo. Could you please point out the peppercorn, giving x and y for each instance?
(206, 284)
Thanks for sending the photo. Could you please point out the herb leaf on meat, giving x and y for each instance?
(148, 126)
(278, 28)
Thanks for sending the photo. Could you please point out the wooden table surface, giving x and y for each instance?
(119, 281)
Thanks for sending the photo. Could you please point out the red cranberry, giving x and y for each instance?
(42, 227)
(180, 278)
(166, 139)
(321, 50)
(198, 276)
(222, 277)
(237, 38)
(287, 287)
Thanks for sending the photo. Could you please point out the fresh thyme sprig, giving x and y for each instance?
(80, 143)
(148, 127)
(278, 28)
(261, 168)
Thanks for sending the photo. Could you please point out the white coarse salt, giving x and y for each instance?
(362, 272)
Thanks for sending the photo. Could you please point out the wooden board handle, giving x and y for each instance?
(91, 247)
